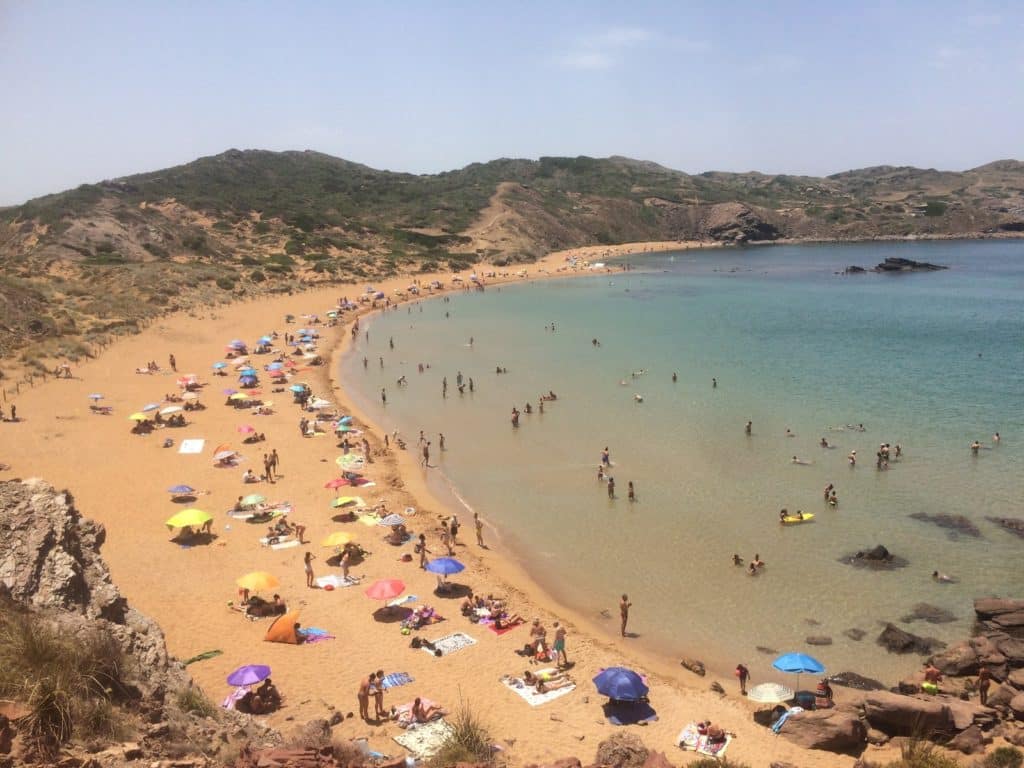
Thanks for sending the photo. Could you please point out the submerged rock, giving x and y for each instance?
(877, 558)
(818, 640)
(858, 682)
(1012, 525)
(933, 614)
(955, 524)
(893, 264)
(854, 634)
(895, 640)
(766, 650)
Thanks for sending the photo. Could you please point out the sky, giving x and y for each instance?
(98, 90)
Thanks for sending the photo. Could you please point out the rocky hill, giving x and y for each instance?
(81, 265)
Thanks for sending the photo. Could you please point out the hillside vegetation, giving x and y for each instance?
(81, 265)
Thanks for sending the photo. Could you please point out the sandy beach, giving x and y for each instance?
(120, 480)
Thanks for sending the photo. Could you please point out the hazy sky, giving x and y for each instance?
(95, 90)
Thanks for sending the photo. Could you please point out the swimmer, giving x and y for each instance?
(638, 398)
(789, 433)
(714, 383)
(975, 447)
(995, 438)
(824, 443)
(749, 427)
(783, 514)
(752, 570)
(737, 560)
(942, 578)
(801, 462)
(675, 378)
(852, 458)
(757, 562)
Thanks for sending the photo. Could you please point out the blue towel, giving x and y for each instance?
(395, 679)
(313, 632)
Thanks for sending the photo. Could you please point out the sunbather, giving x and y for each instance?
(424, 713)
(547, 680)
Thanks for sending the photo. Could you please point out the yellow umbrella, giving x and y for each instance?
(239, 396)
(257, 580)
(337, 539)
(342, 501)
(140, 416)
(189, 517)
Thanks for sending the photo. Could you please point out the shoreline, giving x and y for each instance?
(118, 479)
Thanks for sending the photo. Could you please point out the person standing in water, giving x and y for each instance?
(624, 606)
(714, 383)
(749, 427)
(675, 378)
(606, 457)
(611, 487)
(632, 491)
(478, 524)
(383, 396)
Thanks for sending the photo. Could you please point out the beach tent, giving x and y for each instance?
(283, 629)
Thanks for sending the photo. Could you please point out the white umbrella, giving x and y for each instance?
(190, 396)
(171, 409)
(770, 693)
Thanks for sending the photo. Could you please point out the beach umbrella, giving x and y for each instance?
(236, 344)
(252, 392)
(320, 403)
(188, 378)
(150, 407)
(350, 461)
(798, 663)
(620, 684)
(343, 428)
(337, 539)
(385, 589)
(336, 483)
(137, 417)
(445, 566)
(392, 519)
(220, 364)
(189, 517)
(257, 580)
(345, 420)
(229, 391)
(266, 339)
(252, 500)
(770, 693)
(239, 396)
(297, 387)
(275, 366)
(246, 429)
(344, 501)
(181, 490)
(248, 371)
(250, 674)
(95, 396)
(223, 455)
(276, 374)
(171, 409)
(190, 396)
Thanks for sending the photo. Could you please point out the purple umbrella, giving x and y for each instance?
(230, 391)
(250, 674)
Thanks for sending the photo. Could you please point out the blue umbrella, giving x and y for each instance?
(345, 420)
(236, 343)
(95, 396)
(275, 366)
(220, 365)
(620, 684)
(297, 388)
(247, 380)
(445, 566)
(266, 339)
(798, 663)
(250, 674)
(181, 490)
(248, 371)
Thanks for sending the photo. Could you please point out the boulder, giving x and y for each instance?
(893, 264)
(895, 640)
(966, 713)
(968, 657)
(877, 737)
(859, 682)
(623, 750)
(853, 269)
(1016, 678)
(1012, 525)
(697, 667)
(876, 558)
(1017, 706)
(831, 730)
(1001, 695)
(1012, 649)
(315, 734)
(899, 715)
(1013, 734)
(969, 741)
(933, 614)
(818, 640)
(990, 607)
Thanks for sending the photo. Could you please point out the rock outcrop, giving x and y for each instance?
(899, 715)
(907, 265)
(832, 730)
(876, 558)
(896, 640)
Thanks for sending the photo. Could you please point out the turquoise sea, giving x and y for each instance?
(931, 361)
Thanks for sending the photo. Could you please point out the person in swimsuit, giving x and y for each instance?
(307, 562)
(559, 646)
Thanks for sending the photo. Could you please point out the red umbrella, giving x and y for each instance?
(276, 374)
(386, 589)
(246, 429)
(337, 482)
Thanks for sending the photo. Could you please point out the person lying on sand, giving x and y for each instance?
(547, 680)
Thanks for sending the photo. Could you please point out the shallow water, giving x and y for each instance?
(930, 361)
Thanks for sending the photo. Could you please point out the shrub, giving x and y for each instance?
(918, 753)
(225, 283)
(1003, 757)
(256, 276)
(469, 741)
(192, 699)
(934, 208)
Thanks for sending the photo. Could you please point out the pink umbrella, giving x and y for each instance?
(337, 482)
(245, 429)
(385, 589)
(276, 374)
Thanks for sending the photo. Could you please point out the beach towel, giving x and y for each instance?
(395, 679)
(369, 520)
(425, 740)
(403, 714)
(234, 697)
(489, 623)
(203, 657)
(691, 739)
(629, 712)
(285, 544)
(777, 725)
(335, 581)
(450, 643)
(529, 692)
(314, 635)
(192, 445)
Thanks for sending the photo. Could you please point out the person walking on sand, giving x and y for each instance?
(422, 551)
(173, 363)
(440, 440)
(632, 491)
(446, 538)
(444, 387)
(426, 454)
(378, 697)
(743, 674)
(453, 527)
(275, 460)
(559, 646)
(478, 524)
(307, 562)
(624, 606)
(268, 469)
(364, 697)
(383, 396)
(611, 487)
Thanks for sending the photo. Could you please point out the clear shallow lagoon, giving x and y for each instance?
(930, 361)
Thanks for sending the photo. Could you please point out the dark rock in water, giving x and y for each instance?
(895, 640)
(1000, 613)
(812, 622)
(854, 270)
(766, 650)
(956, 524)
(859, 682)
(907, 265)
(1012, 525)
(877, 558)
(930, 613)
(819, 640)
(855, 634)
(697, 667)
